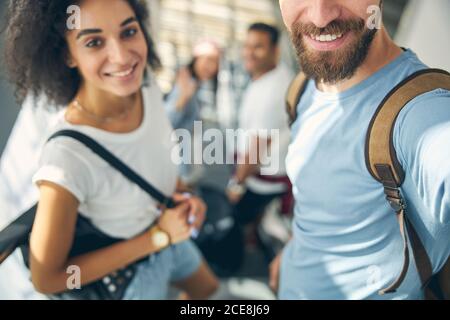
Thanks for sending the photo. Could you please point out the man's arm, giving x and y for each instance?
(249, 164)
(422, 142)
(252, 159)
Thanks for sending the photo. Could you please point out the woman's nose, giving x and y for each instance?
(118, 53)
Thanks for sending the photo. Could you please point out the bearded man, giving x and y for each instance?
(346, 242)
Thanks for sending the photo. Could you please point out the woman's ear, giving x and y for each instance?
(70, 62)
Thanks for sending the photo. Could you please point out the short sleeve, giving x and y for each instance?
(422, 142)
(61, 165)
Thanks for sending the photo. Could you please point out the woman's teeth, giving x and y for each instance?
(326, 37)
(122, 74)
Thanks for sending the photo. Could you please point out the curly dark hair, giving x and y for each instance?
(36, 48)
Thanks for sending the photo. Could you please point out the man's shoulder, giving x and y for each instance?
(285, 74)
(435, 103)
(285, 69)
(282, 75)
(423, 109)
(272, 87)
(424, 117)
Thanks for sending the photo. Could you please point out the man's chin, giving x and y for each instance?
(250, 67)
(333, 66)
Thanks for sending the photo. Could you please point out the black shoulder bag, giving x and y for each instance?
(87, 237)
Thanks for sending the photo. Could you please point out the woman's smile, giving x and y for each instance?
(125, 74)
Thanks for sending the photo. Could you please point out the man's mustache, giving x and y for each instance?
(334, 27)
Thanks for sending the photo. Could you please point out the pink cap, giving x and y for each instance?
(205, 48)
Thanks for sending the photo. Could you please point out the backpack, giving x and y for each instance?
(221, 240)
(383, 165)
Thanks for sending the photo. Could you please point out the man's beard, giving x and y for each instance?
(332, 66)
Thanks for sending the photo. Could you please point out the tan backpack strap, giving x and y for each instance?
(379, 145)
(294, 93)
(383, 164)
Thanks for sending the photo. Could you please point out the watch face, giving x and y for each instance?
(239, 189)
(160, 239)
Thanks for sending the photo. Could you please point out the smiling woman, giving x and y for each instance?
(95, 74)
(37, 51)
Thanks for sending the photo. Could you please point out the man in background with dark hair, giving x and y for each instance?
(262, 114)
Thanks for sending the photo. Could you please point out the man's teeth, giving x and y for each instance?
(122, 74)
(327, 37)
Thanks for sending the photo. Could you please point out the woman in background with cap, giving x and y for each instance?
(194, 92)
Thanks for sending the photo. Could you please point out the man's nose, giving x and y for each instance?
(322, 12)
(118, 53)
(246, 52)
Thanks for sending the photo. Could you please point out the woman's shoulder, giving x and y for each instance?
(63, 163)
(67, 153)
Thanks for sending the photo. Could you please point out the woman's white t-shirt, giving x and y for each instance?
(114, 204)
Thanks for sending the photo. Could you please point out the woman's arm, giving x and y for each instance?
(52, 237)
(181, 108)
(188, 86)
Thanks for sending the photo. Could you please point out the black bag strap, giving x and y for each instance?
(117, 164)
(16, 233)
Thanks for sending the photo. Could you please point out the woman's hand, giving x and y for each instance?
(197, 208)
(235, 190)
(175, 222)
(233, 197)
(188, 86)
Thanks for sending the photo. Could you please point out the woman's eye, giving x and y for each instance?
(94, 43)
(129, 33)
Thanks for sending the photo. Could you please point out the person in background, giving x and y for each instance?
(194, 98)
(194, 94)
(262, 111)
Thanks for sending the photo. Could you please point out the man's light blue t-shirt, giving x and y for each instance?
(346, 240)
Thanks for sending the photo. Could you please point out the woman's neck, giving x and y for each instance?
(105, 105)
(105, 111)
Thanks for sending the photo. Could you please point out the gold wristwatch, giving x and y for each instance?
(159, 237)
